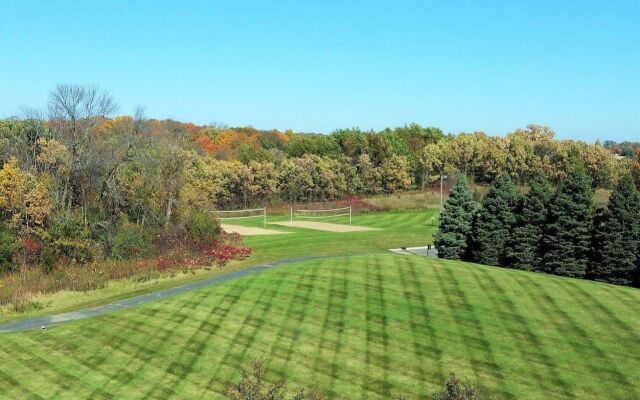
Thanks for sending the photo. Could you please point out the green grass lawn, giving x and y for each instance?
(397, 228)
(358, 327)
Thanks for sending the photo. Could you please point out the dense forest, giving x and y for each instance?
(79, 182)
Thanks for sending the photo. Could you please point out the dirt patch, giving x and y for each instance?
(325, 226)
(249, 230)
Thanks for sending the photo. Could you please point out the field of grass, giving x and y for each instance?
(358, 327)
(397, 228)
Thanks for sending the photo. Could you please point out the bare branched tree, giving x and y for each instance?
(34, 130)
(218, 125)
(139, 119)
(74, 112)
(121, 154)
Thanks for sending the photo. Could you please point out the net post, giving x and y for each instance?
(349, 214)
(291, 216)
(264, 210)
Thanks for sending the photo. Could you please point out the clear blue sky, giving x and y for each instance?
(321, 65)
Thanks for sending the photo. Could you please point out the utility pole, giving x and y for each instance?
(441, 184)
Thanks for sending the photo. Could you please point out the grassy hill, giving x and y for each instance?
(359, 327)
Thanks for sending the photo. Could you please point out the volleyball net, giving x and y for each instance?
(322, 214)
(252, 213)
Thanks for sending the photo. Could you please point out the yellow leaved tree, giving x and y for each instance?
(24, 201)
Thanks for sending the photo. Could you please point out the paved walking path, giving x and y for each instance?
(45, 321)
(424, 251)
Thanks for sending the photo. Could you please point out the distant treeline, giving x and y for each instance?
(624, 149)
(77, 162)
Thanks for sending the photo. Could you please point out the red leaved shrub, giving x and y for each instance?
(185, 252)
(172, 250)
(31, 250)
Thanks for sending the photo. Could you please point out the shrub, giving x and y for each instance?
(458, 390)
(68, 240)
(8, 248)
(253, 385)
(66, 225)
(202, 226)
(130, 241)
(176, 248)
(31, 250)
(74, 251)
(49, 257)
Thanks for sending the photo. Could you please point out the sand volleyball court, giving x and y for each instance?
(249, 230)
(325, 226)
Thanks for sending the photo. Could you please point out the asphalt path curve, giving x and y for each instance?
(48, 320)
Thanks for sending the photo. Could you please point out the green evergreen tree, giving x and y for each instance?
(617, 236)
(525, 246)
(452, 238)
(599, 220)
(492, 228)
(636, 274)
(567, 241)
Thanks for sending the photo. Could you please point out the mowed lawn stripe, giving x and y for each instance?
(480, 351)
(574, 345)
(363, 327)
(505, 309)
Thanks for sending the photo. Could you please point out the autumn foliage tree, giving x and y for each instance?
(24, 201)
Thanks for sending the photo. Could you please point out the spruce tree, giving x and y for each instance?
(494, 223)
(617, 235)
(452, 238)
(567, 241)
(636, 274)
(525, 246)
(599, 220)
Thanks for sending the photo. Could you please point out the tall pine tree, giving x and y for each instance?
(452, 238)
(525, 246)
(617, 236)
(494, 223)
(567, 241)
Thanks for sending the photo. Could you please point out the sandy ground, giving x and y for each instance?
(325, 226)
(249, 230)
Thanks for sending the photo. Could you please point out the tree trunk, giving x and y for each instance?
(69, 204)
(64, 194)
(168, 216)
